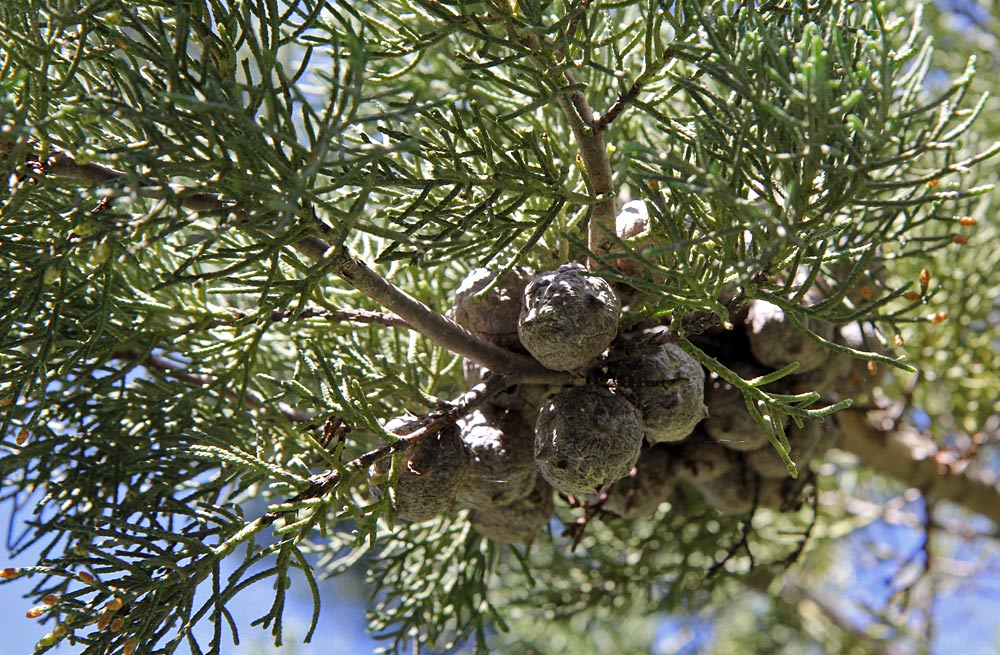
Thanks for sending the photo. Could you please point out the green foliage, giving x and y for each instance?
(427, 572)
(167, 355)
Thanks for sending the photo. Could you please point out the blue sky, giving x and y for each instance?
(341, 628)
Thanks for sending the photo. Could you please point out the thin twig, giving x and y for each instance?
(630, 94)
(794, 594)
(904, 403)
(929, 570)
(436, 327)
(324, 482)
(577, 529)
(746, 528)
(593, 155)
(800, 547)
(181, 373)
(623, 100)
(331, 315)
(906, 588)
(433, 423)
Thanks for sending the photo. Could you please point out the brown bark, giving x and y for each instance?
(907, 456)
(594, 155)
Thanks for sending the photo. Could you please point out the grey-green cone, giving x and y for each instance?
(587, 438)
(568, 317)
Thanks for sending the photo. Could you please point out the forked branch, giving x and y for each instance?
(433, 325)
(916, 461)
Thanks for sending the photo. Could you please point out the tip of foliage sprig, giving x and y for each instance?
(52, 638)
(36, 611)
(104, 620)
(924, 279)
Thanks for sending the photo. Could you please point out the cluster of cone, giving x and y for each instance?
(644, 417)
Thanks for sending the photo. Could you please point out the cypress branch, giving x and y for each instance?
(433, 325)
(178, 386)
